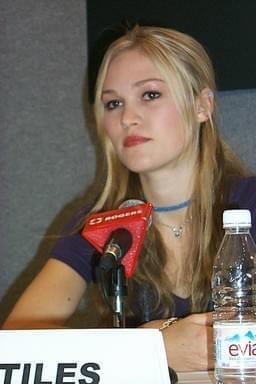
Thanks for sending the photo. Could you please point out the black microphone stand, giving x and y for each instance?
(114, 289)
(119, 242)
(118, 292)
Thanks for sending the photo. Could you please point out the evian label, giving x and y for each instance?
(235, 344)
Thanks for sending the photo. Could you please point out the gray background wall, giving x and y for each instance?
(46, 156)
(45, 153)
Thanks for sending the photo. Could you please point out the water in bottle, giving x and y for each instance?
(234, 299)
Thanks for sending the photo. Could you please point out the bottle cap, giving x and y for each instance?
(237, 218)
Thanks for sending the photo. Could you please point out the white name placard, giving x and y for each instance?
(83, 356)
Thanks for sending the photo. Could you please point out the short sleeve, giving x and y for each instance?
(75, 251)
(243, 196)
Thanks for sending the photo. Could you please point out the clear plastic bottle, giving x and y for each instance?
(234, 300)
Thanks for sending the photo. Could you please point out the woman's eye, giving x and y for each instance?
(112, 104)
(151, 95)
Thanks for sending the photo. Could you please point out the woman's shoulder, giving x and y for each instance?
(73, 249)
(243, 196)
(243, 191)
(245, 181)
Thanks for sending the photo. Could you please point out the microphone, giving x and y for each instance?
(118, 244)
(134, 216)
(132, 203)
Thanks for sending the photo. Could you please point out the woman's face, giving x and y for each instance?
(140, 116)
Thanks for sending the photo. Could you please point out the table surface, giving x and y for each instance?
(196, 377)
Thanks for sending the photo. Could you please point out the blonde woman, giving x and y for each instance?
(156, 123)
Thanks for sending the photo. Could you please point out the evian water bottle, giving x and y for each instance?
(234, 299)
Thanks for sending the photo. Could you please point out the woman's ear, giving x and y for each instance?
(204, 105)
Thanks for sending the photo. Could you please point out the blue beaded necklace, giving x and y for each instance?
(171, 208)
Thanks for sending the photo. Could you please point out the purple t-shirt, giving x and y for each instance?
(77, 252)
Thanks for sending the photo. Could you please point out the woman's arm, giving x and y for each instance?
(188, 342)
(49, 300)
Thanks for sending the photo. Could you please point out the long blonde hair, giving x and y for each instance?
(188, 70)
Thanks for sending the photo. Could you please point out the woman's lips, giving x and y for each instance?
(131, 141)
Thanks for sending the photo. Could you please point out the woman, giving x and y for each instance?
(156, 122)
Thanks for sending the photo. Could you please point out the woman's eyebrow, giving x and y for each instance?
(144, 81)
(136, 84)
(107, 91)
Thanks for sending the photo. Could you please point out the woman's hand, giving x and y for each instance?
(188, 342)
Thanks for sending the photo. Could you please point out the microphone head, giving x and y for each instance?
(132, 203)
(122, 238)
(99, 227)
(116, 247)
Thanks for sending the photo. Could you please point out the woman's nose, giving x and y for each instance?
(129, 117)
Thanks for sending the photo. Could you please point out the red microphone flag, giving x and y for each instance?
(135, 219)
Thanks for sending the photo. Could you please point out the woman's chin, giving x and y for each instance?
(138, 168)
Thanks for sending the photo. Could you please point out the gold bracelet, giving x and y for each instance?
(168, 322)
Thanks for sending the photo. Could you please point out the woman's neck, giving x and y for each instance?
(169, 187)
